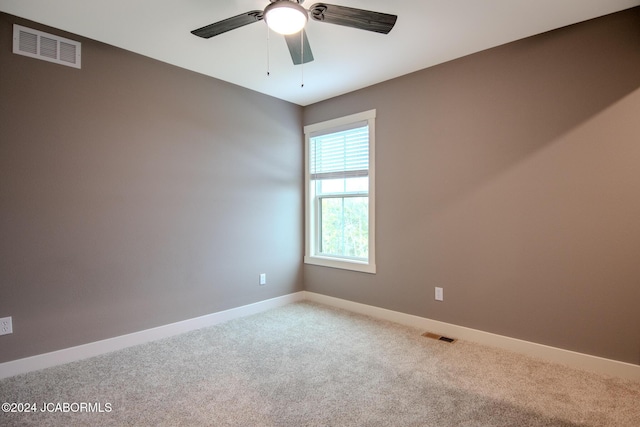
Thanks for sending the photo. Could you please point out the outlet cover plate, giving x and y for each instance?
(6, 326)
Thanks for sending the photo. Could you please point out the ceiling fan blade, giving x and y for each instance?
(294, 43)
(354, 18)
(228, 24)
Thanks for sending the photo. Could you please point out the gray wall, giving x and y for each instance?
(511, 178)
(135, 194)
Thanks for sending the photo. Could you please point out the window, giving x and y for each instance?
(340, 193)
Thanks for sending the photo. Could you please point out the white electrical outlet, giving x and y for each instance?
(6, 326)
(263, 279)
(439, 294)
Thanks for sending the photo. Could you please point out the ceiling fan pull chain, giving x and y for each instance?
(268, 62)
(302, 58)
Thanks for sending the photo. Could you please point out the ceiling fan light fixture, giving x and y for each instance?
(285, 17)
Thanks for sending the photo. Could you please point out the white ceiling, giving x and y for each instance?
(428, 32)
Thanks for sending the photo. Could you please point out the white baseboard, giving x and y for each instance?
(72, 354)
(566, 357)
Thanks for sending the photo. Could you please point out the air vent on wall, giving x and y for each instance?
(41, 45)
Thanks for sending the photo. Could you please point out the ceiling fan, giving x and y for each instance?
(289, 17)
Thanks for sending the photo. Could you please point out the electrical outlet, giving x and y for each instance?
(6, 326)
(263, 279)
(439, 294)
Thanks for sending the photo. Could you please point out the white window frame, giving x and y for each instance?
(311, 221)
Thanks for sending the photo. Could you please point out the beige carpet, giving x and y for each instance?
(311, 365)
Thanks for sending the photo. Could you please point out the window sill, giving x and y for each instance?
(342, 264)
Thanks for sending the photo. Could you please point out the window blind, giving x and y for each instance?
(342, 154)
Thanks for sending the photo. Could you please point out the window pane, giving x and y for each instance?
(342, 185)
(329, 186)
(357, 184)
(344, 226)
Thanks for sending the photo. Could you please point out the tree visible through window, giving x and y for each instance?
(339, 193)
(344, 227)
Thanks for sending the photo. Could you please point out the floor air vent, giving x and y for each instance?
(41, 45)
(438, 337)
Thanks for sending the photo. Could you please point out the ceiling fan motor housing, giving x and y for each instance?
(285, 17)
